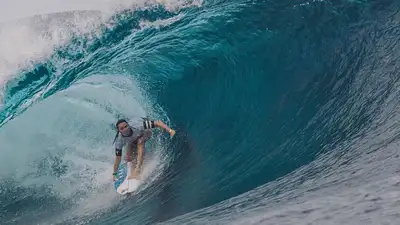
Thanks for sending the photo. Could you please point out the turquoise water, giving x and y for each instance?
(286, 112)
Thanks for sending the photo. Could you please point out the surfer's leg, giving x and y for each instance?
(141, 146)
(128, 155)
(130, 160)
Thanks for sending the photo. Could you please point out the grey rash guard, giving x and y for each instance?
(140, 129)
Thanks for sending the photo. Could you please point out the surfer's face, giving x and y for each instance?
(124, 128)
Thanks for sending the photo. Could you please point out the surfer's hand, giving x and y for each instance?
(114, 177)
(171, 132)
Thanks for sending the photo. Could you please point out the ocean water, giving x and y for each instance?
(286, 112)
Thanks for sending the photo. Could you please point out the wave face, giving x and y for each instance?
(286, 112)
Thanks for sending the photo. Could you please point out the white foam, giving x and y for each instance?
(18, 9)
(160, 23)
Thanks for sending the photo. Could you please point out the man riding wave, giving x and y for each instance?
(134, 138)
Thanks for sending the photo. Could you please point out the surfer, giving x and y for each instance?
(134, 137)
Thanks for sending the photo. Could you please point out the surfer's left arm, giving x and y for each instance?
(158, 123)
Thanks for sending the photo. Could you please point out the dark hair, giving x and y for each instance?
(116, 126)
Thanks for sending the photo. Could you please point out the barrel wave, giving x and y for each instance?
(286, 112)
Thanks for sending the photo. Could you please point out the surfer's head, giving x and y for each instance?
(122, 127)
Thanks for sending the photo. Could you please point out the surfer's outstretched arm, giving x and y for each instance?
(160, 124)
(148, 124)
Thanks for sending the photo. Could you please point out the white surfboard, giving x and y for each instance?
(122, 184)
